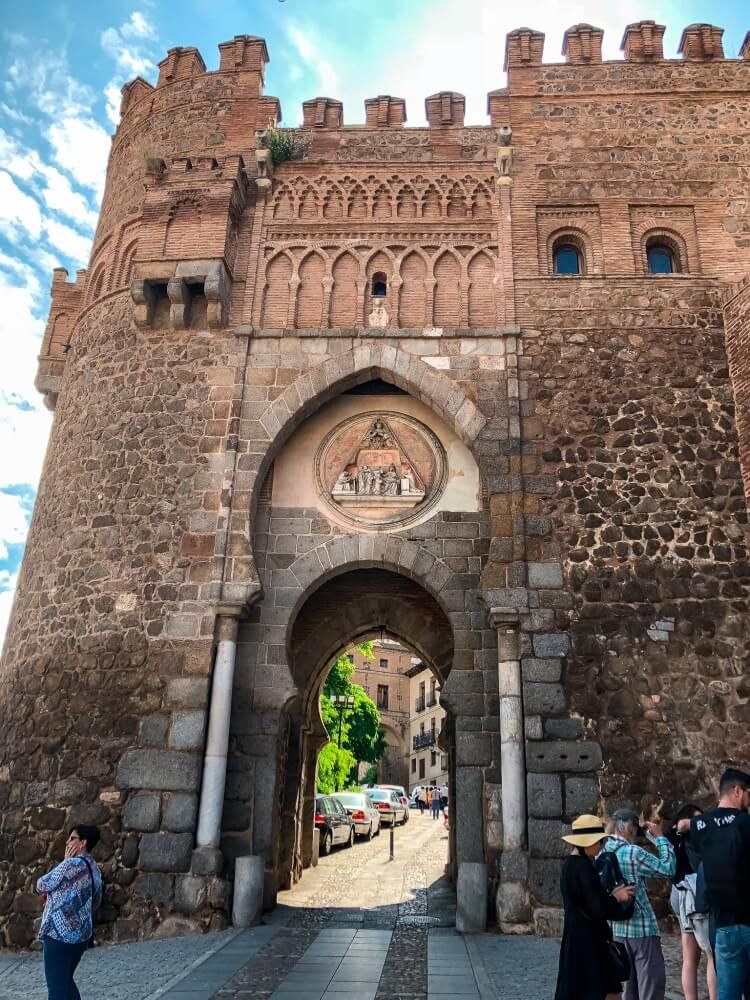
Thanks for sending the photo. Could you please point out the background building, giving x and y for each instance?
(384, 680)
(428, 763)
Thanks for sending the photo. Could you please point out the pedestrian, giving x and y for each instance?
(640, 934)
(72, 891)
(693, 925)
(443, 796)
(587, 970)
(435, 802)
(428, 798)
(720, 839)
(420, 800)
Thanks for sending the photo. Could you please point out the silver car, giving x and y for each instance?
(362, 811)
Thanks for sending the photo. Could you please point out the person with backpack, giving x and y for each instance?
(589, 968)
(693, 923)
(71, 891)
(720, 840)
(640, 933)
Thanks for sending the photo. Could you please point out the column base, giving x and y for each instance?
(206, 861)
(512, 899)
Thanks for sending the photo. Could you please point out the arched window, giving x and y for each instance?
(660, 258)
(379, 285)
(566, 258)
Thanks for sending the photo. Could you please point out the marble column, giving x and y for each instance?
(512, 899)
(217, 743)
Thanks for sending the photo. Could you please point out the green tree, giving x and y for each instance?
(362, 739)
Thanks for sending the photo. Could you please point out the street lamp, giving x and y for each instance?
(343, 703)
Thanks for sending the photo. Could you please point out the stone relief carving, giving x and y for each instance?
(380, 468)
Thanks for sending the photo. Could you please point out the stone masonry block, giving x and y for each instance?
(564, 729)
(545, 838)
(544, 699)
(563, 755)
(187, 730)
(544, 795)
(551, 644)
(180, 812)
(166, 852)
(152, 730)
(544, 881)
(164, 770)
(190, 892)
(141, 811)
(159, 888)
(188, 692)
(545, 576)
(468, 813)
(473, 749)
(581, 796)
(536, 669)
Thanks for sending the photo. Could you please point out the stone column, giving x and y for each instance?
(217, 743)
(512, 896)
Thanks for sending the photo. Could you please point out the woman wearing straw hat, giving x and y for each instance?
(587, 971)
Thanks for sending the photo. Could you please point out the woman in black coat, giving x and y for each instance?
(585, 971)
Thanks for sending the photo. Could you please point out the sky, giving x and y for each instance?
(63, 62)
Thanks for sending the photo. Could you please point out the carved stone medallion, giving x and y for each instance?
(380, 468)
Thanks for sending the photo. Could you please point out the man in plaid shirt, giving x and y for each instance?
(640, 934)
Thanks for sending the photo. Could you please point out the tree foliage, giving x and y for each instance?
(362, 739)
(284, 145)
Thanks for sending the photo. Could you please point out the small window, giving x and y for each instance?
(421, 767)
(379, 285)
(566, 259)
(433, 758)
(383, 696)
(384, 664)
(414, 765)
(660, 259)
(421, 728)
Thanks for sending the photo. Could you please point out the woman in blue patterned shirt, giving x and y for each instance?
(72, 891)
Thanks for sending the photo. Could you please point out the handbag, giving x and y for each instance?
(91, 943)
(619, 960)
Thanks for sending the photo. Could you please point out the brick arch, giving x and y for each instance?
(321, 384)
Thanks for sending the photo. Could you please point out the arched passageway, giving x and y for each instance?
(350, 607)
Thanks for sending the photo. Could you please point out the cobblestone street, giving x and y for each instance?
(358, 927)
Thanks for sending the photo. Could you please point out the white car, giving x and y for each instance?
(362, 811)
(401, 792)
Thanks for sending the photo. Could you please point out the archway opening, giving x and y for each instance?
(412, 644)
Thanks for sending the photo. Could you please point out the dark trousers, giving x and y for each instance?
(60, 963)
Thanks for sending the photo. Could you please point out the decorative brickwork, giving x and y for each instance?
(575, 572)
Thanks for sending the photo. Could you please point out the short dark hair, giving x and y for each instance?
(88, 833)
(733, 777)
(687, 811)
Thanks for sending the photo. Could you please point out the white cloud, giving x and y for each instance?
(81, 147)
(138, 26)
(14, 521)
(7, 591)
(70, 243)
(310, 54)
(128, 46)
(19, 212)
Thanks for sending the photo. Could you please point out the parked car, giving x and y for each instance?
(392, 810)
(334, 822)
(362, 810)
(401, 792)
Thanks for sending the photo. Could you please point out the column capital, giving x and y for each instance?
(506, 618)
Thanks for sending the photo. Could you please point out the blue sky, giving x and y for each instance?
(61, 68)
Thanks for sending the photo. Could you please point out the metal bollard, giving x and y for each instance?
(393, 837)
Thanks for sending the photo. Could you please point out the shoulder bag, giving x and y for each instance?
(91, 943)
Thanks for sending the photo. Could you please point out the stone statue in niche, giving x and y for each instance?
(380, 468)
(504, 160)
(378, 318)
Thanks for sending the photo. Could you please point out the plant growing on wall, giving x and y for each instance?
(284, 145)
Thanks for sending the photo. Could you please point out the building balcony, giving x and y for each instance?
(424, 740)
(431, 701)
(419, 705)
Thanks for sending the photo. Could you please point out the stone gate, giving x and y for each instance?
(467, 385)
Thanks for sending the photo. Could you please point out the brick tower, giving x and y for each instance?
(463, 386)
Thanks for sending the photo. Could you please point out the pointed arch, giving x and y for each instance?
(333, 202)
(431, 203)
(308, 203)
(411, 312)
(357, 202)
(406, 203)
(310, 296)
(482, 202)
(456, 207)
(447, 300)
(276, 300)
(481, 272)
(345, 273)
(381, 203)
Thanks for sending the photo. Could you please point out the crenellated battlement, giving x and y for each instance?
(247, 55)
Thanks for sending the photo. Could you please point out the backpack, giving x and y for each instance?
(610, 876)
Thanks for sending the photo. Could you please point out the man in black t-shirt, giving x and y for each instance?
(720, 838)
